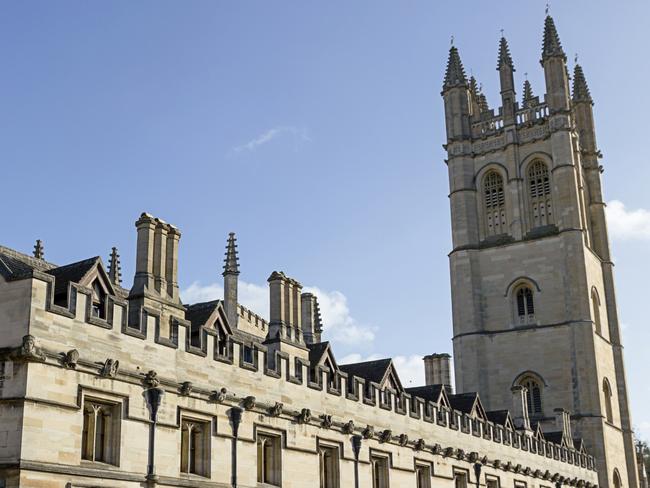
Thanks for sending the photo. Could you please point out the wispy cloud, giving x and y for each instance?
(298, 134)
(626, 224)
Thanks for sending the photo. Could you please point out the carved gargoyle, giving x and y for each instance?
(386, 435)
(28, 351)
(276, 409)
(326, 421)
(69, 359)
(368, 432)
(420, 445)
(473, 457)
(249, 402)
(185, 388)
(305, 416)
(348, 428)
(151, 379)
(460, 454)
(484, 460)
(449, 451)
(403, 440)
(436, 449)
(496, 463)
(219, 396)
(110, 368)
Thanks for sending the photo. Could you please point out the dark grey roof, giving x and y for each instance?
(16, 265)
(70, 273)
(555, 437)
(316, 351)
(428, 392)
(463, 402)
(199, 313)
(369, 370)
(499, 417)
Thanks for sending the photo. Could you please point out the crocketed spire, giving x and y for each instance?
(231, 263)
(551, 45)
(528, 93)
(455, 74)
(504, 55)
(580, 88)
(39, 250)
(482, 102)
(114, 268)
(473, 86)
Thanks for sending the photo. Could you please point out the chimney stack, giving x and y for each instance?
(285, 313)
(437, 370)
(311, 319)
(520, 407)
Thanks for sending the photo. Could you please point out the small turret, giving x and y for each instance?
(39, 250)
(114, 268)
(528, 94)
(230, 280)
(555, 71)
(580, 89)
(456, 94)
(506, 70)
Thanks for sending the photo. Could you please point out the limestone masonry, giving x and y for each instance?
(104, 386)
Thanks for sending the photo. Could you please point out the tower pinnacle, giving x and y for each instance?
(580, 89)
(528, 93)
(504, 55)
(114, 268)
(39, 250)
(455, 74)
(231, 263)
(551, 45)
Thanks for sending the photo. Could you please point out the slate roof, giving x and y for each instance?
(15, 265)
(199, 313)
(428, 392)
(71, 273)
(369, 370)
(499, 417)
(555, 437)
(316, 351)
(463, 402)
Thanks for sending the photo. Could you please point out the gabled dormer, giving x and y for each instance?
(209, 318)
(321, 356)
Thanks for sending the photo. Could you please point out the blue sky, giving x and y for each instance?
(312, 129)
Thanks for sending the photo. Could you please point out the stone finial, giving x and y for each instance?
(505, 60)
(551, 45)
(231, 262)
(580, 89)
(455, 74)
(39, 250)
(528, 93)
(114, 267)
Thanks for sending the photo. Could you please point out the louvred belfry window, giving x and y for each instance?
(539, 185)
(495, 204)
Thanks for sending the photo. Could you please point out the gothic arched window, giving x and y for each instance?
(533, 394)
(617, 479)
(494, 204)
(539, 185)
(98, 300)
(524, 304)
(595, 300)
(607, 392)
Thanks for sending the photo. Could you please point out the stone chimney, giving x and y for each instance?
(171, 266)
(230, 280)
(563, 423)
(311, 319)
(285, 314)
(143, 281)
(520, 407)
(437, 369)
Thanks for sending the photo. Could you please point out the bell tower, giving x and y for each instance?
(533, 296)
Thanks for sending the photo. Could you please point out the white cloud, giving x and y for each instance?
(339, 325)
(252, 296)
(627, 224)
(298, 134)
(409, 368)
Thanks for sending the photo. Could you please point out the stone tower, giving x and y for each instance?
(531, 274)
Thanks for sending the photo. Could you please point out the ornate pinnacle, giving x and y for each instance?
(455, 74)
(231, 263)
(473, 86)
(551, 45)
(482, 102)
(39, 250)
(528, 93)
(504, 55)
(114, 268)
(580, 89)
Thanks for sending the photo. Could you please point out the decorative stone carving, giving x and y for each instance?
(249, 402)
(69, 359)
(517, 468)
(484, 460)
(420, 444)
(305, 416)
(460, 454)
(110, 368)
(449, 451)
(218, 396)
(547, 475)
(436, 449)
(473, 457)
(150, 379)
(386, 435)
(526, 471)
(368, 432)
(185, 388)
(276, 410)
(496, 463)
(507, 466)
(28, 351)
(348, 428)
(326, 421)
(403, 440)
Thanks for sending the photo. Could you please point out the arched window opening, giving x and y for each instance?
(607, 392)
(99, 300)
(533, 395)
(617, 479)
(495, 204)
(595, 300)
(525, 304)
(539, 184)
